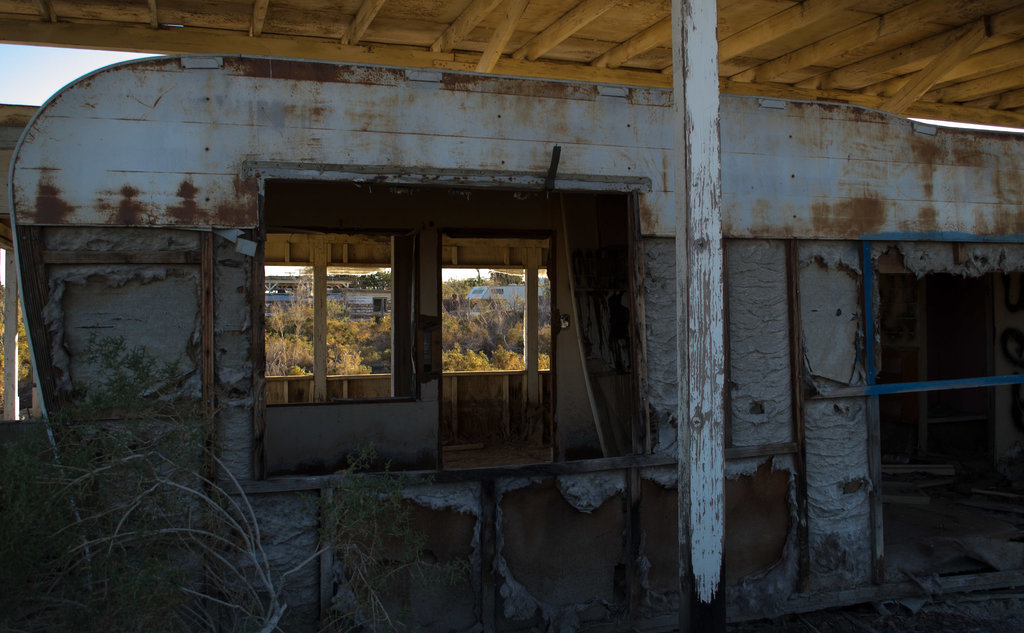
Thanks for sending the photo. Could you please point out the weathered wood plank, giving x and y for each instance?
(10, 337)
(513, 11)
(207, 322)
(463, 25)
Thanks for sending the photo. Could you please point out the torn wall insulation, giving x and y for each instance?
(288, 526)
(533, 554)
(965, 260)
(838, 511)
(761, 593)
(830, 313)
(588, 491)
(660, 328)
(462, 497)
(233, 357)
(759, 375)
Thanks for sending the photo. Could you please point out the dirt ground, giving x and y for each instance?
(981, 613)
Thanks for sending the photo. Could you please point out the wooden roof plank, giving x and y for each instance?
(923, 80)
(1011, 100)
(367, 11)
(45, 9)
(259, 17)
(656, 35)
(576, 18)
(978, 65)
(981, 87)
(463, 25)
(513, 11)
(779, 25)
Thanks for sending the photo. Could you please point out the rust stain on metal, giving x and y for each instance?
(927, 152)
(241, 210)
(130, 211)
(517, 87)
(50, 207)
(188, 210)
(852, 216)
(318, 72)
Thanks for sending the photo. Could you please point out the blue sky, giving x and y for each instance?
(32, 73)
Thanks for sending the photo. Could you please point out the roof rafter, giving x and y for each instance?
(46, 11)
(154, 20)
(922, 81)
(981, 87)
(984, 63)
(259, 17)
(575, 19)
(651, 37)
(847, 40)
(367, 11)
(463, 25)
(779, 25)
(1011, 100)
(513, 10)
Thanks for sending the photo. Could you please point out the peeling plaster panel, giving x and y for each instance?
(830, 314)
(966, 260)
(837, 492)
(125, 239)
(462, 497)
(587, 492)
(660, 329)
(759, 374)
(815, 170)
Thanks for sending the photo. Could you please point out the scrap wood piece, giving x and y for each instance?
(998, 493)
(947, 470)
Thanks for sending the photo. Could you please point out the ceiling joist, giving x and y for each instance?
(367, 11)
(46, 11)
(578, 17)
(779, 25)
(660, 34)
(512, 12)
(463, 25)
(259, 17)
(154, 19)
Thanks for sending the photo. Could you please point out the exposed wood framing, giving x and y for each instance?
(700, 327)
(10, 337)
(981, 87)
(364, 17)
(578, 17)
(923, 80)
(35, 291)
(206, 322)
(765, 450)
(659, 34)
(319, 321)
(488, 552)
(154, 19)
(779, 25)
(796, 378)
(259, 17)
(45, 9)
(258, 346)
(116, 257)
(463, 25)
(513, 10)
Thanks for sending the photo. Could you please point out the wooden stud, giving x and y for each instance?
(364, 17)
(259, 17)
(502, 34)
(660, 34)
(154, 20)
(779, 25)
(641, 440)
(11, 407)
(319, 247)
(796, 379)
(463, 25)
(575, 19)
(700, 327)
(922, 81)
(207, 323)
(257, 303)
(532, 335)
(35, 293)
(46, 11)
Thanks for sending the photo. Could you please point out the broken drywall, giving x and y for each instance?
(660, 325)
(830, 314)
(956, 258)
(119, 240)
(758, 321)
(838, 488)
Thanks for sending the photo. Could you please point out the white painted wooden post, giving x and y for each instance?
(530, 327)
(10, 338)
(319, 257)
(699, 284)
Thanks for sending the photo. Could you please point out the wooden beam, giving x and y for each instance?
(922, 81)
(259, 17)
(1011, 100)
(10, 337)
(657, 35)
(154, 20)
(885, 65)
(367, 11)
(45, 9)
(502, 34)
(319, 320)
(463, 25)
(847, 41)
(779, 25)
(206, 318)
(700, 329)
(981, 87)
(986, 62)
(575, 19)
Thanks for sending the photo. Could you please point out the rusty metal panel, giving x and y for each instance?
(815, 170)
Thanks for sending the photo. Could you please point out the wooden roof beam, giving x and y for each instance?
(45, 9)
(502, 34)
(986, 62)
(981, 87)
(880, 67)
(259, 17)
(367, 11)
(847, 40)
(922, 81)
(463, 25)
(658, 34)
(1011, 100)
(154, 20)
(575, 19)
(779, 25)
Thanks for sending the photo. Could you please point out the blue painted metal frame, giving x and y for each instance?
(874, 389)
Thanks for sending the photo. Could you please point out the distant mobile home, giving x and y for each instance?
(872, 309)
